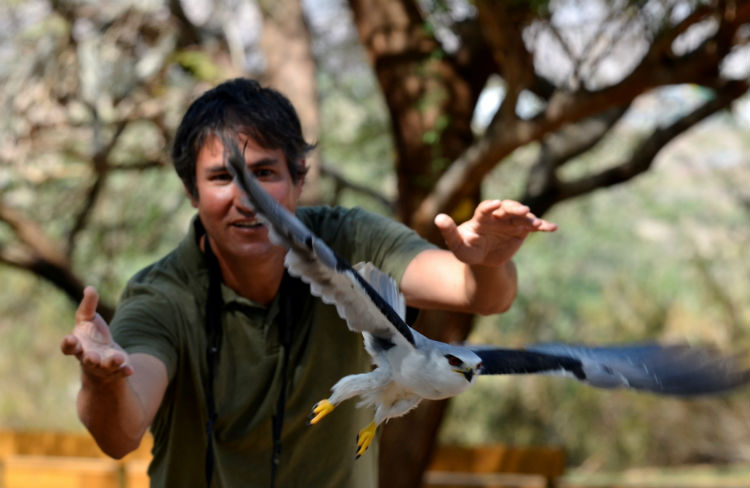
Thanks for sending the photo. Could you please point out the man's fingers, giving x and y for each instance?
(91, 359)
(519, 214)
(488, 207)
(449, 230)
(110, 367)
(87, 308)
(114, 361)
(511, 208)
(545, 226)
(71, 345)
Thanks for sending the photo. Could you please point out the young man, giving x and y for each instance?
(150, 366)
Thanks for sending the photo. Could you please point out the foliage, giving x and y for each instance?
(674, 267)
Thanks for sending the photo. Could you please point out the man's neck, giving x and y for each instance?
(255, 279)
(258, 281)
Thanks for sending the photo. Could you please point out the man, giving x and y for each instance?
(152, 369)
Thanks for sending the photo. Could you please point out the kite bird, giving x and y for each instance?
(410, 367)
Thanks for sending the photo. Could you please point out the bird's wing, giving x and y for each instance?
(664, 369)
(384, 285)
(330, 277)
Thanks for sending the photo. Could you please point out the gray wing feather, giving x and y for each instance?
(330, 277)
(384, 285)
(665, 369)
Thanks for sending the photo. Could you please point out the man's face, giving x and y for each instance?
(234, 230)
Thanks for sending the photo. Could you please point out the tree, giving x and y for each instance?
(94, 94)
(90, 81)
(432, 90)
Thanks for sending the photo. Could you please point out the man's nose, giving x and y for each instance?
(241, 203)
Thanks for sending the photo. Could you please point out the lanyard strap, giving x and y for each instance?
(214, 303)
(286, 323)
(290, 289)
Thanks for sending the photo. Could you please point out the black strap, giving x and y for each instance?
(289, 310)
(214, 303)
(286, 322)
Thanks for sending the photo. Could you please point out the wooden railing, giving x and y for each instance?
(73, 460)
(495, 466)
(67, 460)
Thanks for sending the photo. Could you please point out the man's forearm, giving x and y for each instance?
(491, 289)
(113, 413)
(118, 412)
(436, 279)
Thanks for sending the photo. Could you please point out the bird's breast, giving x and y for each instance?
(426, 376)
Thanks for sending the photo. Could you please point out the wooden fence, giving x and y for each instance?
(495, 466)
(67, 460)
(73, 460)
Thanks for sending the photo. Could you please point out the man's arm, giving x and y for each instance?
(120, 393)
(476, 274)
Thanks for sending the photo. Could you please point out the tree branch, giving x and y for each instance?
(502, 27)
(39, 256)
(644, 155)
(100, 162)
(189, 33)
(560, 147)
(342, 182)
(31, 236)
(503, 135)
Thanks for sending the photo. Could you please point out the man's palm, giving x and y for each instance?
(91, 342)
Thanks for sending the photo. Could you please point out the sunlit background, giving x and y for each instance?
(92, 91)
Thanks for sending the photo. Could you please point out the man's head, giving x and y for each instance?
(239, 107)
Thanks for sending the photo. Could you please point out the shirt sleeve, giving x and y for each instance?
(144, 323)
(359, 235)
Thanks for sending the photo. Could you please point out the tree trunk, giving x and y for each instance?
(430, 95)
(408, 442)
(286, 43)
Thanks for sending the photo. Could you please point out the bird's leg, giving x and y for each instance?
(365, 437)
(348, 387)
(320, 410)
(384, 412)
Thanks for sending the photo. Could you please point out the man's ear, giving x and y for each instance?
(300, 181)
(193, 199)
(298, 186)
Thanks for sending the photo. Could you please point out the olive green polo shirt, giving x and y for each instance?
(162, 313)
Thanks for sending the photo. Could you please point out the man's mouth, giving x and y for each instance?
(248, 225)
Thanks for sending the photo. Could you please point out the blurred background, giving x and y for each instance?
(625, 122)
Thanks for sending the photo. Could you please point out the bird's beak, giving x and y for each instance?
(466, 373)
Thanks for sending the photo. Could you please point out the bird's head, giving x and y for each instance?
(462, 361)
(448, 371)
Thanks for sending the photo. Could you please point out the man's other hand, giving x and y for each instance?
(91, 343)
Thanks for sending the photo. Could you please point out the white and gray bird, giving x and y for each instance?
(410, 367)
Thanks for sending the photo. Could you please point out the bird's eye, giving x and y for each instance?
(453, 360)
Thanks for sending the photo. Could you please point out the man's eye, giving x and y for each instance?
(220, 177)
(263, 173)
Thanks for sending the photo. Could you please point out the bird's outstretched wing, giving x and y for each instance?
(330, 277)
(664, 369)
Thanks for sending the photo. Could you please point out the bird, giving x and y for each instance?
(410, 367)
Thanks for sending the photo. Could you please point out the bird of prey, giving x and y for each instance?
(410, 367)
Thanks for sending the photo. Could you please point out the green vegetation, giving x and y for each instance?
(664, 257)
(701, 476)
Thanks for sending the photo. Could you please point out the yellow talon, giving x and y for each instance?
(320, 410)
(365, 437)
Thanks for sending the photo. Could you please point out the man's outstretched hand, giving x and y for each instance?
(91, 343)
(494, 234)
